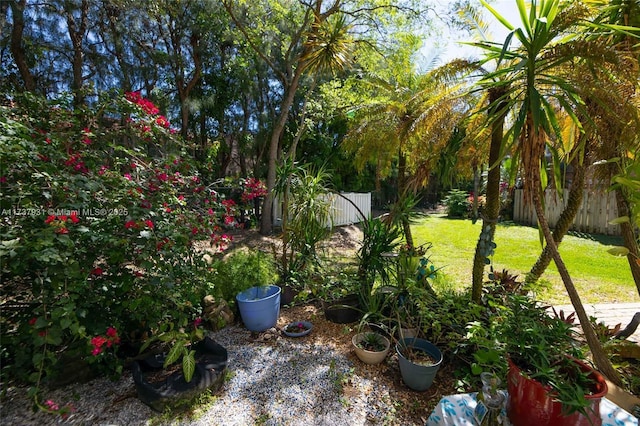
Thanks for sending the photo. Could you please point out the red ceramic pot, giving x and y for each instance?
(531, 404)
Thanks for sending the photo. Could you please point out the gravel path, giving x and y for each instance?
(283, 381)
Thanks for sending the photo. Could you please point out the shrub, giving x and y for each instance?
(457, 203)
(241, 270)
(102, 213)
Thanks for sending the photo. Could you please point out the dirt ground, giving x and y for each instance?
(412, 408)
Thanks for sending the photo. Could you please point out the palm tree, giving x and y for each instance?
(319, 41)
(407, 120)
(622, 142)
(493, 103)
(549, 40)
(610, 128)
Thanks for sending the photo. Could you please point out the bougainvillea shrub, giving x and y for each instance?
(102, 213)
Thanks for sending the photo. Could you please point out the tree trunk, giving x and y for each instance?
(77, 34)
(492, 203)
(266, 222)
(17, 50)
(476, 192)
(600, 358)
(629, 238)
(564, 222)
(402, 193)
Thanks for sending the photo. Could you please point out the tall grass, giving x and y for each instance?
(599, 276)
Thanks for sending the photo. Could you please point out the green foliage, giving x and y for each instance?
(372, 342)
(306, 220)
(180, 340)
(336, 284)
(102, 214)
(379, 238)
(457, 203)
(241, 270)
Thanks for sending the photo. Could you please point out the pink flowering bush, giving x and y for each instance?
(104, 221)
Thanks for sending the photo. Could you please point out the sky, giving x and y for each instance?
(450, 45)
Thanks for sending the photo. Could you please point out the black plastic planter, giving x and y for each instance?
(211, 363)
(343, 311)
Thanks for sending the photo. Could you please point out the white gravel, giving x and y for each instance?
(282, 382)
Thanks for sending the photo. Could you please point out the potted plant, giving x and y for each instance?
(240, 270)
(306, 222)
(297, 328)
(371, 347)
(547, 381)
(192, 364)
(340, 298)
(248, 275)
(419, 361)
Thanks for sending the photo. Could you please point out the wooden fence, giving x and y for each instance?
(342, 211)
(596, 210)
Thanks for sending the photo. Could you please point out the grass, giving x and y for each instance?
(599, 276)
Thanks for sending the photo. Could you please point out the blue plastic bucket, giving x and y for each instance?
(259, 307)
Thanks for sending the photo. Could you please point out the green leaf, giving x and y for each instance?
(618, 251)
(174, 354)
(189, 365)
(65, 323)
(37, 358)
(619, 220)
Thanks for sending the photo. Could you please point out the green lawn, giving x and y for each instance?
(599, 276)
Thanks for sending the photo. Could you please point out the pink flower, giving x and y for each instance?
(149, 223)
(97, 271)
(127, 176)
(228, 220)
(49, 219)
(74, 217)
(62, 230)
(112, 332)
(51, 405)
(3, 179)
(102, 170)
(130, 224)
(197, 322)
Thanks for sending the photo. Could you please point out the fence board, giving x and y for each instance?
(598, 208)
(342, 211)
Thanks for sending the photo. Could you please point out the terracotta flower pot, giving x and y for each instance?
(532, 404)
